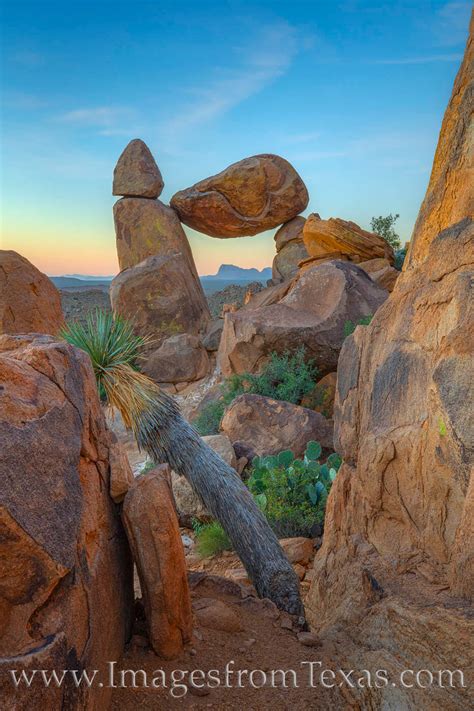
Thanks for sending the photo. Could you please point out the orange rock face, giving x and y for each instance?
(381, 272)
(450, 196)
(264, 426)
(145, 228)
(291, 250)
(339, 239)
(246, 198)
(162, 298)
(29, 301)
(153, 531)
(136, 173)
(396, 566)
(66, 585)
(310, 311)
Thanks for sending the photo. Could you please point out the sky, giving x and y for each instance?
(351, 92)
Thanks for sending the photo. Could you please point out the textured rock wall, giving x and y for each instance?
(66, 586)
(396, 569)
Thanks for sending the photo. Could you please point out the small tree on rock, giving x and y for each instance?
(383, 226)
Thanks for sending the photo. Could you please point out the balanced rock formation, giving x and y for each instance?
(158, 288)
(258, 425)
(161, 297)
(66, 585)
(311, 312)
(136, 173)
(179, 359)
(146, 228)
(152, 527)
(396, 567)
(339, 239)
(248, 197)
(29, 301)
(291, 250)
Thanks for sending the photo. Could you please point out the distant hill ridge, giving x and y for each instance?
(226, 274)
(230, 271)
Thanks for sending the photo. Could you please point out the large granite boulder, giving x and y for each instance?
(145, 228)
(29, 301)
(162, 297)
(179, 359)
(136, 173)
(66, 587)
(396, 568)
(152, 528)
(311, 312)
(246, 198)
(261, 426)
(339, 239)
(291, 250)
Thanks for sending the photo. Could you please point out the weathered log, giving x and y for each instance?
(170, 438)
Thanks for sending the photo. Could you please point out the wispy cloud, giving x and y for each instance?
(428, 59)
(263, 60)
(23, 102)
(105, 116)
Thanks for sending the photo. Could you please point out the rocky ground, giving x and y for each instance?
(232, 625)
(77, 304)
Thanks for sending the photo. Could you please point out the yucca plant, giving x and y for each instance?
(166, 436)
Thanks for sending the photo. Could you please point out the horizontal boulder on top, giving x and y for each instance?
(248, 197)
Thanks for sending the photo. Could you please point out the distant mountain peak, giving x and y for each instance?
(230, 271)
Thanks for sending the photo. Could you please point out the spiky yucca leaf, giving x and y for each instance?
(114, 349)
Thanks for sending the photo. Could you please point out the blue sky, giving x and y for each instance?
(351, 92)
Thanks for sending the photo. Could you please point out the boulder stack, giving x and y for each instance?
(158, 287)
(246, 198)
(291, 250)
(29, 301)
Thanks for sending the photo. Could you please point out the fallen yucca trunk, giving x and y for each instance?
(160, 430)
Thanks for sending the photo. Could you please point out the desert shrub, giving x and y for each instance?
(291, 492)
(210, 538)
(400, 255)
(289, 377)
(209, 419)
(350, 326)
(383, 226)
(109, 341)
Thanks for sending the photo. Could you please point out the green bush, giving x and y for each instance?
(383, 226)
(289, 377)
(350, 326)
(210, 538)
(400, 255)
(209, 419)
(291, 492)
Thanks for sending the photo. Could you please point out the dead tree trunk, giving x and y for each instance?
(171, 439)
